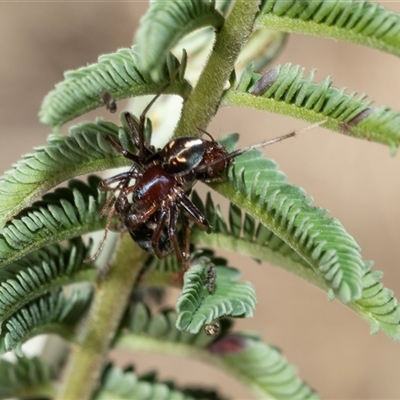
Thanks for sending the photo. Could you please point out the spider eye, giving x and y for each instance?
(183, 154)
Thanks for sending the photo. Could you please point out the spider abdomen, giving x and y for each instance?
(151, 189)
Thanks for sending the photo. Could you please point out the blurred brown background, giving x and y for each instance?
(356, 180)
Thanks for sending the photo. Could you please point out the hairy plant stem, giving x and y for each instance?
(105, 315)
(203, 103)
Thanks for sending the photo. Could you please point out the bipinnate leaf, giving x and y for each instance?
(63, 214)
(260, 367)
(117, 74)
(53, 313)
(127, 385)
(41, 271)
(362, 22)
(65, 157)
(25, 378)
(168, 21)
(256, 186)
(241, 234)
(197, 306)
(284, 90)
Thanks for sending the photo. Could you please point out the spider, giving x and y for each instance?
(155, 208)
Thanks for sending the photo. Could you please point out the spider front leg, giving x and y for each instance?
(105, 184)
(125, 153)
(167, 217)
(161, 218)
(181, 255)
(192, 212)
(137, 134)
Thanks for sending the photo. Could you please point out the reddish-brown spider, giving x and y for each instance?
(153, 195)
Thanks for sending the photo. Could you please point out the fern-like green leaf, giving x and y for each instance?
(360, 22)
(117, 74)
(85, 151)
(64, 214)
(256, 186)
(283, 90)
(377, 304)
(258, 366)
(42, 271)
(125, 384)
(25, 378)
(197, 306)
(52, 313)
(168, 21)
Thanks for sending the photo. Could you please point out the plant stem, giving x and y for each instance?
(203, 103)
(107, 309)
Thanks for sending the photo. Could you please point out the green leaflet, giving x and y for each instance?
(41, 271)
(360, 22)
(197, 306)
(256, 186)
(283, 90)
(127, 385)
(64, 214)
(160, 326)
(25, 376)
(65, 157)
(378, 306)
(117, 74)
(168, 21)
(51, 313)
(260, 367)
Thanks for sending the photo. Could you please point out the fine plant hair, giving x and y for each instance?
(52, 284)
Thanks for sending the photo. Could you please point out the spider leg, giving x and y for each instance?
(142, 118)
(193, 212)
(142, 121)
(206, 133)
(137, 133)
(264, 143)
(187, 242)
(124, 179)
(181, 256)
(104, 185)
(162, 218)
(125, 153)
(106, 229)
(133, 127)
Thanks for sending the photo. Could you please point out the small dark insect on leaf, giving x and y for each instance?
(228, 344)
(212, 329)
(211, 276)
(346, 126)
(152, 197)
(109, 101)
(265, 82)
